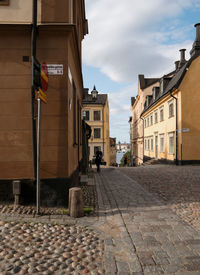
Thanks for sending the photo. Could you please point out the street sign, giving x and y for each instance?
(44, 76)
(55, 69)
(42, 96)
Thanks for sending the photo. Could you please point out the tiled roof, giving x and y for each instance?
(101, 99)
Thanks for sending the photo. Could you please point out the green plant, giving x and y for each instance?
(88, 210)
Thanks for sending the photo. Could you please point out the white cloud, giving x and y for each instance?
(132, 37)
(124, 39)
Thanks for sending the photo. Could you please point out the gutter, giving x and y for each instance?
(176, 126)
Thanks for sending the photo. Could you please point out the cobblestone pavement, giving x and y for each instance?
(142, 234)
(177, 186)
(52, 243)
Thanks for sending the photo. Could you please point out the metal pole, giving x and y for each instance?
(33, 49)
(38, 157)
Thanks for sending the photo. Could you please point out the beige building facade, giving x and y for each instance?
(61, 28)
(145, 86)
(96, 114)
(171, 112)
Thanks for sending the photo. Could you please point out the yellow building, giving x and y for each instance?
(61, 27)
(96, 114)
(171, 113)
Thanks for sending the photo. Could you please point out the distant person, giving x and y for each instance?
(125, 160)
(98, 159)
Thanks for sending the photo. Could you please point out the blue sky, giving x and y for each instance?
(132, 37)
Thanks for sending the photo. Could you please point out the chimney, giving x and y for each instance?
(182, 58)
(176, 65)
(85, 92)
(196, 45)
(132, 100)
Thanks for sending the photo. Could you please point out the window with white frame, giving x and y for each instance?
(145, 123)
(156, 117)
(162, 143)
(148, 144)
(162, 114)
(151, 143)
(171, 109)
(148, 122)
(151, 119)
(171, 143)
(145, 144)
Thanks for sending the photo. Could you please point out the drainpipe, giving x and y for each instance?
(176, 127)
(143, 136)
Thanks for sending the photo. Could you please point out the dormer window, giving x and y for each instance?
(161, 85)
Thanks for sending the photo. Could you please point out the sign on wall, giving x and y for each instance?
(55, 69)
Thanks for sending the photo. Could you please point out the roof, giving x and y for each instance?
(100, 100)
(146, 82)
(175, 81)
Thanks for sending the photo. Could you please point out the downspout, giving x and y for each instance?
(176, 127)
(143, 137)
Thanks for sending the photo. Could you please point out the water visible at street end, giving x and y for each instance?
(119, 156)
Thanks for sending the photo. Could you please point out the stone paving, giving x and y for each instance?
(143, 235)
(36, 248)
(177, 186)
(135, 233)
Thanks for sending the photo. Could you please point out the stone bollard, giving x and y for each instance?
(16, 191)
(75, 202)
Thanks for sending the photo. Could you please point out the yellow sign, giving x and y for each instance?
(42, 96)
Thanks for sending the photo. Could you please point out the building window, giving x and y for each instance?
(151, 144)
(161, 143)
(156, 117)
(148, 146)
(171, 144)
(86, 115)
(171, 109)
(145, 123)
(97, 132)
(151, 118)
(4, 2)
(145, 144)
(161, 114)
(97, 115)
(148, 122)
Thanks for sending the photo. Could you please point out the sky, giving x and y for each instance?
(130, 37)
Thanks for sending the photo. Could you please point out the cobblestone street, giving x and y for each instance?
(136, 231)
(177, 186)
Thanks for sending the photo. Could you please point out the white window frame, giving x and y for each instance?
(162, 145)
(171, 110)
(151, 139)
(162, 110)
(171, 146)
(156, 117)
